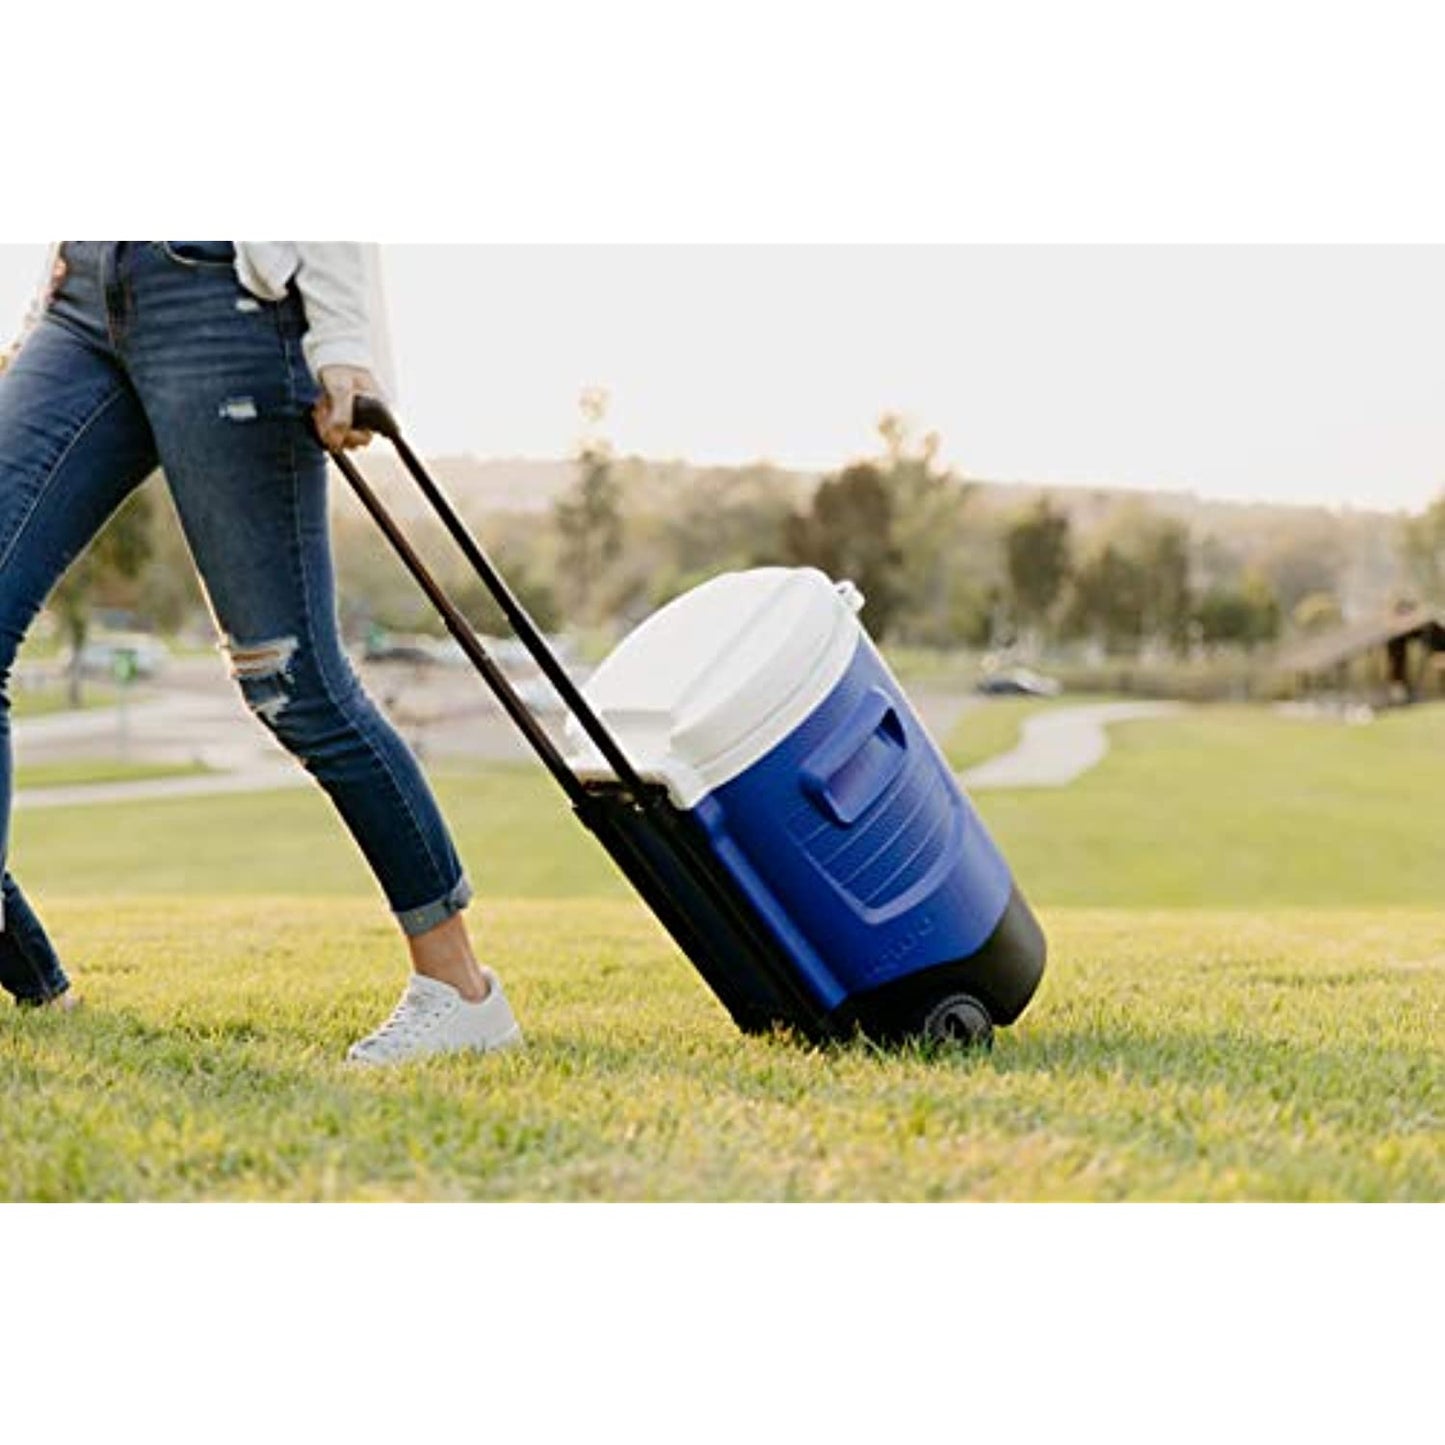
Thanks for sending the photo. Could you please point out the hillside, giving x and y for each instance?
(1288, 541)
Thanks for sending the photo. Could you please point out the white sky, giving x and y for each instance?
(1250, 372)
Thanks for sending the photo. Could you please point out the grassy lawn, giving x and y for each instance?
(1244, 1002)
(513, 829)
(76, 772)
(1170, 1056)
(1239, 808)
(44, 702)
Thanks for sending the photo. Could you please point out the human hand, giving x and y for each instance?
(340, 386)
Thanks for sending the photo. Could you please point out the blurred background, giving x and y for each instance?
(1197, 471)
(1188, 472)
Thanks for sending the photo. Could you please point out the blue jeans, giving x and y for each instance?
(153, 353)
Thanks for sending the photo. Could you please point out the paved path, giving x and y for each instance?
(284, 774)
(206, 725)
(213, 728)
(200, 718)
(1059, 745)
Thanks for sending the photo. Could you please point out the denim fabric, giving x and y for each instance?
(151, 352)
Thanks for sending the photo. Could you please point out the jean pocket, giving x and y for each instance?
(200, 253)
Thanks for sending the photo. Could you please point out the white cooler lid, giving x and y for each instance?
(706, 686)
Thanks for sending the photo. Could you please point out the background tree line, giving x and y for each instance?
(945, 561)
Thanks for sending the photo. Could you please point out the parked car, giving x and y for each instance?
(416, 654)
(412, 648)
(1019, 682)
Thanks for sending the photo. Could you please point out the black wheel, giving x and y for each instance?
(960, 1020)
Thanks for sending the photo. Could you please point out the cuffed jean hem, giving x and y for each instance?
(422, 920)
(48, 994)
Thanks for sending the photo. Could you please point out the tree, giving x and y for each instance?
(532, 590)
(120, 552)
(1311, 556)
(589, 517)
(938, 600)
(848, 533)
(1163, 555)
(1158, 555)
(724, 518)
(167, 592)
(1135, 585)
(1242, 615)
(1422, 548)
(1109, 599)
(1037, 545)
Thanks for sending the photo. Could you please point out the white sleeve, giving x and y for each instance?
(336, 292)
(38, 303)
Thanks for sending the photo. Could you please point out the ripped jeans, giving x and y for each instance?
(153, 353)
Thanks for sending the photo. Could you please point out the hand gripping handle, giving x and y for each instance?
(371, 413)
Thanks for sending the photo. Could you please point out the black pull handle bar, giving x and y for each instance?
(372, 414)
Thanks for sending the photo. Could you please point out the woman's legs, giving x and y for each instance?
(73, 445)
(228, 396)
(445, 953)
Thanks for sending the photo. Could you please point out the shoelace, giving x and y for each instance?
(408, 1017)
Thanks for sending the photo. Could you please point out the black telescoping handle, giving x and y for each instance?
(371, 414)
(466, 639)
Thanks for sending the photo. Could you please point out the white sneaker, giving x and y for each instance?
(433, 1018)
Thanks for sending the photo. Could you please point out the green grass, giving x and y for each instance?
(1169, 1056)
(43, 702)
(78, 772)
(513, 828)
(1240, 808)
(1220, 807)
(1244, 1001)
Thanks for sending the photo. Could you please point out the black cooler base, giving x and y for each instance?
(664, 855)
(1002, 976)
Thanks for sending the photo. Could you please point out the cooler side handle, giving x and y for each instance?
(854, 768)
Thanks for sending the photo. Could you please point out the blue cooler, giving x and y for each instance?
(807, 844)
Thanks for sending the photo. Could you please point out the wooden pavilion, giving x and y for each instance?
(1395, 658)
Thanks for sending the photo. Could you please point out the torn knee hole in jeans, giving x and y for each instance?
(263, 670)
